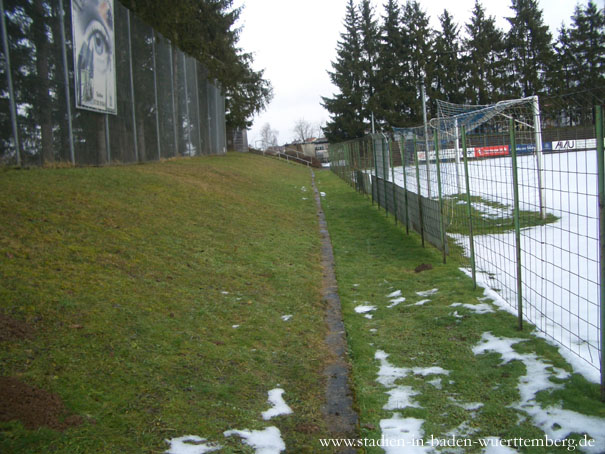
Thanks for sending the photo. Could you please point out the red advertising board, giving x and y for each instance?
(484, 152)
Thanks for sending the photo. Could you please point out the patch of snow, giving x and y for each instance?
(224, 292)
(373, 330)
(368, 316)
(395, 294)
(235, 326)
(402, 434)
(285, 318)
(323, 194)
(482, 308)
(422, 302)
(364, 308)
(191, 444)
(401, 397)
(266, 441)
(279, 405)
(394, 302)
(436, 382)
(555, 421)
(428, 292)
(456, 314)
(579, 365)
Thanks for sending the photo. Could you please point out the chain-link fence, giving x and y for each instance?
(166, 106)
(512, 190)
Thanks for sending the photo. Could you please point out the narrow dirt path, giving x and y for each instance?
(338, 411)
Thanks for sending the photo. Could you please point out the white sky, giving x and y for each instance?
(295, 43)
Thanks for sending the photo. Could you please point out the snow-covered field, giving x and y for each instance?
(559, 261)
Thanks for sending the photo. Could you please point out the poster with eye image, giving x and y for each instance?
(94, 55)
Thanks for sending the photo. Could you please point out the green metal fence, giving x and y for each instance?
(512, 191)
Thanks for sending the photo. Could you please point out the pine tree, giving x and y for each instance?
(449, 71)
(389, 106)
(529, 48)
(583, 48)
(346, 118)
(418, 40)
(369, 36)
(484, 46)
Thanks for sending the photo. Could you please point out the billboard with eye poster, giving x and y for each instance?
(94, 55)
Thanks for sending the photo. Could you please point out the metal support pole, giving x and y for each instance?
(134, 115)
(176, 136)
(375, 179)
(469, 209)
(70, 130)
(421, 219)
(457, 158)
(601, 166)
(155, 92)
(441, 221)
(405, 186)
(538, 140)
(513, 150)
(107, 141)
(394, 186)
(384, 141)
(11, 92)
(426, 140)
(189, 144)
(199, 115)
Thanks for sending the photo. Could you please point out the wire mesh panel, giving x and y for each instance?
(511, 190)
(166, 105)
(144, 90)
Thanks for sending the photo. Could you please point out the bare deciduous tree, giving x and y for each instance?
(268, 136)
(303, 130)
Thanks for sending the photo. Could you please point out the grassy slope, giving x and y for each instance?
(121, 272)
(373, 258)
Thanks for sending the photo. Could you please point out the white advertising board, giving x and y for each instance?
(94, 55)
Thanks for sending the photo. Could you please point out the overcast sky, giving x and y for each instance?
(294, 41)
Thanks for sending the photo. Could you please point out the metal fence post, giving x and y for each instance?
(457, 158)
(155, 93)
(199, 114)
(384, 141)
(601, 166)
(188, 145)
(513, 149)
(375, 179)
(11, 92)
(469, 207)
(70, 130)
(419, 194)
(176, 136)
(134, 115)
(393, 185)
(439, 193)
(405, 186)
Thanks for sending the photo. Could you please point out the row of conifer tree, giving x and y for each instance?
(382, 60)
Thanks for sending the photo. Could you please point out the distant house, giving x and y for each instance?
(316, 148)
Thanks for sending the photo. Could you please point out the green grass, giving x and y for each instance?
(373, 258)
(456, 216)
(120, 273)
